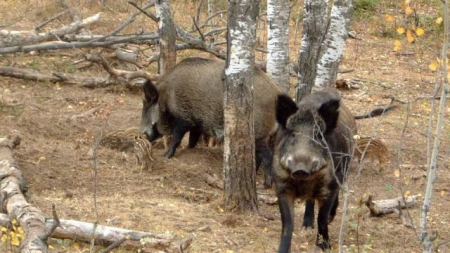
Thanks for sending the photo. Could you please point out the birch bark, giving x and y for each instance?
(334, 43)
(239, 144)
(278, 13)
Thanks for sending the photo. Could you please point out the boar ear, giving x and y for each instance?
(150, 92)
(285, 108)
(329, 111)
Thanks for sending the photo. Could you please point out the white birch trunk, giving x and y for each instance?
(315, 22)
(239, 143)
(334, 43)
(427, 239)
(278, 12)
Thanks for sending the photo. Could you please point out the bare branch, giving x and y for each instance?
(126, 23)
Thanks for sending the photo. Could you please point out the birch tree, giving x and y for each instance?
(323, 43)
(239, 147)
(278, 13)
(315, 20)
(334, 43)
(167, 36)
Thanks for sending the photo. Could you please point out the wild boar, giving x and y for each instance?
(312, 152)
(190, 98)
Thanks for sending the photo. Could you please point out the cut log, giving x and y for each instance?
(13, 202)
(386, 206)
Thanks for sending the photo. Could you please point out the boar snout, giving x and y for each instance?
(300, 174)
(152, 134)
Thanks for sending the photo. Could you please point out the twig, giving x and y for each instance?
(148, 14)
(56, 223)
(125, 24)
(114, 245)
(198, 29)
(38, 27)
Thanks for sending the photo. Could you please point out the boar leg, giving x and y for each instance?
(264, 156)
(333, 208)
(323, 220)
(308, 218)
(177, 135)
(286, 205)
(194, 136)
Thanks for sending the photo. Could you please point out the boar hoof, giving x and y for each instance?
(168, 154)
(325, 246)
(307, 227)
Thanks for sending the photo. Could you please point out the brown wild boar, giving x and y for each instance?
(190, 98)
(313, 150)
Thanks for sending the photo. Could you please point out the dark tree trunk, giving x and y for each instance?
(315, 22)
(239, 144)
(167, 37)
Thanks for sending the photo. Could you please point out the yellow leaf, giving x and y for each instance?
(397, 173)
(14, 221)
(14, 239)
(409, 36)
(439, 20)
(389, 18)
(400, 30)
(408, 10)
(397, 45)
(4, 238)
(407, 193)
(433, 66)
(419, 31)
(443, 192)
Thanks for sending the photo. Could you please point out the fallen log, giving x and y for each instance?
(138, 39)
(29, 74)
(386, 206)
(13, 202)
(20, 38)
(105, 235)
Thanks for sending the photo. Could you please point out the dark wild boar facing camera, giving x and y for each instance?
(312, 149)
(189, 98)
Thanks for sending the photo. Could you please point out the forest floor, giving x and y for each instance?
(171, 196)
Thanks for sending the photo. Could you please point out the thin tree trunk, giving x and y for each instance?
(334, 44)
(425, 237)
(167, 37)
(315, 23)
(278, 12)
(239, 144)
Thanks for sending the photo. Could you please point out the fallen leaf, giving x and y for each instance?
(389, 18)
(419, 31)
(400, 30)
(409, 36)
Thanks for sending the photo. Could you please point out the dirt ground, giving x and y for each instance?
(56, 157)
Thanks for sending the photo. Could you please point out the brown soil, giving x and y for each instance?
(56, 158)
